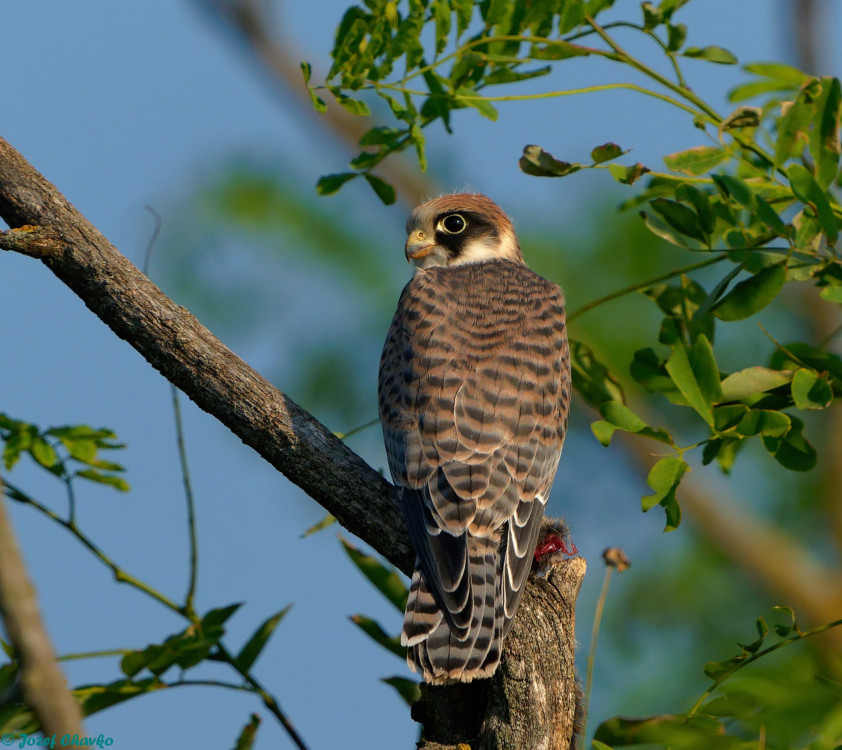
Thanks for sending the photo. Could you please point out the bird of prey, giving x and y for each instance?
(474, 391)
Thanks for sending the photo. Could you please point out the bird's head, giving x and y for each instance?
(457, 229)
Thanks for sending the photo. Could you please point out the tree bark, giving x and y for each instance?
(531, 700)
(42, 682)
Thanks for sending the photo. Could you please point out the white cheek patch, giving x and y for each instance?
(489, 248)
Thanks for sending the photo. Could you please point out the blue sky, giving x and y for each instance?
(123, 105)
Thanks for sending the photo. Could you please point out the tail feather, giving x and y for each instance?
(423, 615)
(434, 648)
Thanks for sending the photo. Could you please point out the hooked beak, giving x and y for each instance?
(418, 246)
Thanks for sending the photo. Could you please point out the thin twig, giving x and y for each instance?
(268, 699)
(120, 574)
(643, 284)
(597, 621)
(181, 446)
(759, 655)
(191, 503)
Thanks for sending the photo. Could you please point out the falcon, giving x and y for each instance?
(474, 391)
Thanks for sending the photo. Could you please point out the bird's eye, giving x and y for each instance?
(453, 224)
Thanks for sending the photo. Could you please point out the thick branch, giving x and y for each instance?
(42, 682)
(46, 226)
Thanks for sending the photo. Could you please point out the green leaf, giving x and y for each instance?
(43, 452)
(712, 54)
(793, 451)
(95, 698)
(409, 690)
(384, 190)
(808, 230)
(81, 449)
(652, 16)
(810, 390)
(328, 520)
(622, 417)
(764, 422)
(793, 130)
(95, 476)
(681, 371)
(606, 152)
(591, 379)
(664, 479)
(751, 381)
(831, 293)
(777, 71)
(597, 745)
(472, 99)
(618, 416)
(752, 295)
(441, 12)
(246, 738)
(318, 103)
(700, 201)
(742, 117)
(703, 364)
(374, 631)
(330, 183)
(676, 36)
(740, 191)
(808, 191)
(603, 431)
(219, 616)
(695, 161)
(539, 163)
(663, 231)
(385, 579)
(17, 443)
(354, 106)
(416, 135)
(663, 731)
(648, 370)
(249, 653)
(782, 630)
(824, 136)
(627, 175)
(755, 88)
(679, 217)
(464, 9)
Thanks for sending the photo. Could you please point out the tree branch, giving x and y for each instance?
(47, 227)
(42, 682)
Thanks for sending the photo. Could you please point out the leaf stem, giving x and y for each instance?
(529, 97)
(191, 505)
(682, 91)
(597, 621)
(120, 574)
(643, 284)
(268, 699)
(754, 657)
(358, 428)
(94, 654)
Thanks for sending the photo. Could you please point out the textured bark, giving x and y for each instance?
(533, 699)
(42, 682)
(530, 702)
